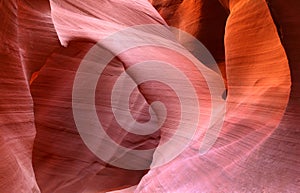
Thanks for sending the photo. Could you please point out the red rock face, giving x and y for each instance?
(254, 43)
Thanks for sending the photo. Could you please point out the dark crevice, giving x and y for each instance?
(273, 15)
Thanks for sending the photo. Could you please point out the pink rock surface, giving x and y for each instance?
(255, 44)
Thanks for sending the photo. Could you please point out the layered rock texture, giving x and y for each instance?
(255, 44)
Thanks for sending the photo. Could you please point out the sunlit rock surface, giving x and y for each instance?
(256, 45)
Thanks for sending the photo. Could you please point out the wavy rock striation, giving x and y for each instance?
(255, 44)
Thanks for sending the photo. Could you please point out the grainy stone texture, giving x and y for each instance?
(256, 45)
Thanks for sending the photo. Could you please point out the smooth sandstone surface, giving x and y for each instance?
(255, 44)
